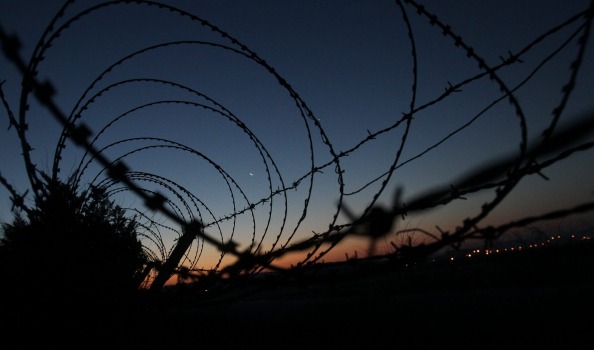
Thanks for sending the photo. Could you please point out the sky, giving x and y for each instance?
(280, 118)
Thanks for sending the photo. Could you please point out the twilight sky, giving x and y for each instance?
(193, 115)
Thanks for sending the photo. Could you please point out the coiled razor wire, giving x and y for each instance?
(244, 242)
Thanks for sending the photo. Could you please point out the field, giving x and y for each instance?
(541, 299)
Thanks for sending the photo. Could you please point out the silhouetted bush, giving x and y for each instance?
(74, 255)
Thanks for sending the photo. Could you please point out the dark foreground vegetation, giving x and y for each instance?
(541, 299)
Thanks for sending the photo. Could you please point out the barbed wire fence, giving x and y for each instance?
(194, 222)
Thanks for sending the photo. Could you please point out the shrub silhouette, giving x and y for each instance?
(72, 255)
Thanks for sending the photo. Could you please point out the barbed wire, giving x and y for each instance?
(191, 217)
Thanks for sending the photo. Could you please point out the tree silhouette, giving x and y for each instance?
(74, 255)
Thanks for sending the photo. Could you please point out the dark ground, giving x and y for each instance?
(541, 299)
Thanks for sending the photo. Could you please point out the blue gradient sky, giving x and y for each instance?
(351, 64)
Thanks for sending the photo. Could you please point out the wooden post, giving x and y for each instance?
(190, 231)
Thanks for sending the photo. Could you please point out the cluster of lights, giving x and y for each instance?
(553, 239)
